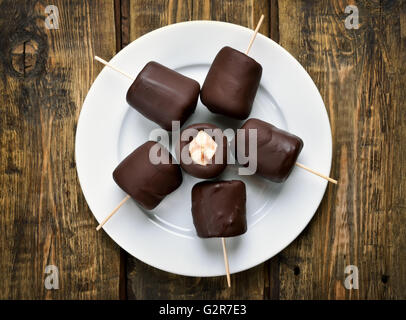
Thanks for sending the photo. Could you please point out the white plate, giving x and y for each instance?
(165, 238)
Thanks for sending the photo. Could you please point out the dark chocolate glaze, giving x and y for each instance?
(218, 208)
(231, 84)
(210, 170)
(145, 182)
(163, 95)
(277, 150)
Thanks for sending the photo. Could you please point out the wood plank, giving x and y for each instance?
(361, 75)
(44, 220)
(245, 13)
(122, 11)
(145, 282)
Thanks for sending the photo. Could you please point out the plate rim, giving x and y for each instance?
(279, 48)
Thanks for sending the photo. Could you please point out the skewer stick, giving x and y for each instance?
(298, 164)
(316, 173)
(113, 67)
(223, 241)
(255, 34)
(113, 212)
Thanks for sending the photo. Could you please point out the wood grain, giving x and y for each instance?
(245, 13)
(44, 220)
(360, 222)
(145, 15)
(361, 76)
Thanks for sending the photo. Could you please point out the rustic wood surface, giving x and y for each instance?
(44, 219)
(45, 75)
(361, 77)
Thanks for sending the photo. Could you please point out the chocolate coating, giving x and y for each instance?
(231, 84)
(163, 95)
(210, 170)
(277, 150)
(145, 182)
(218, 208)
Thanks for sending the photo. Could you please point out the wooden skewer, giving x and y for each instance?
(255, 34)
(113, 67)
(316, 173)
(128, 196)
(113, 212)
(223, 241)
(298, 164)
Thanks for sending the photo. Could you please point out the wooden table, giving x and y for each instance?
(45, 75)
